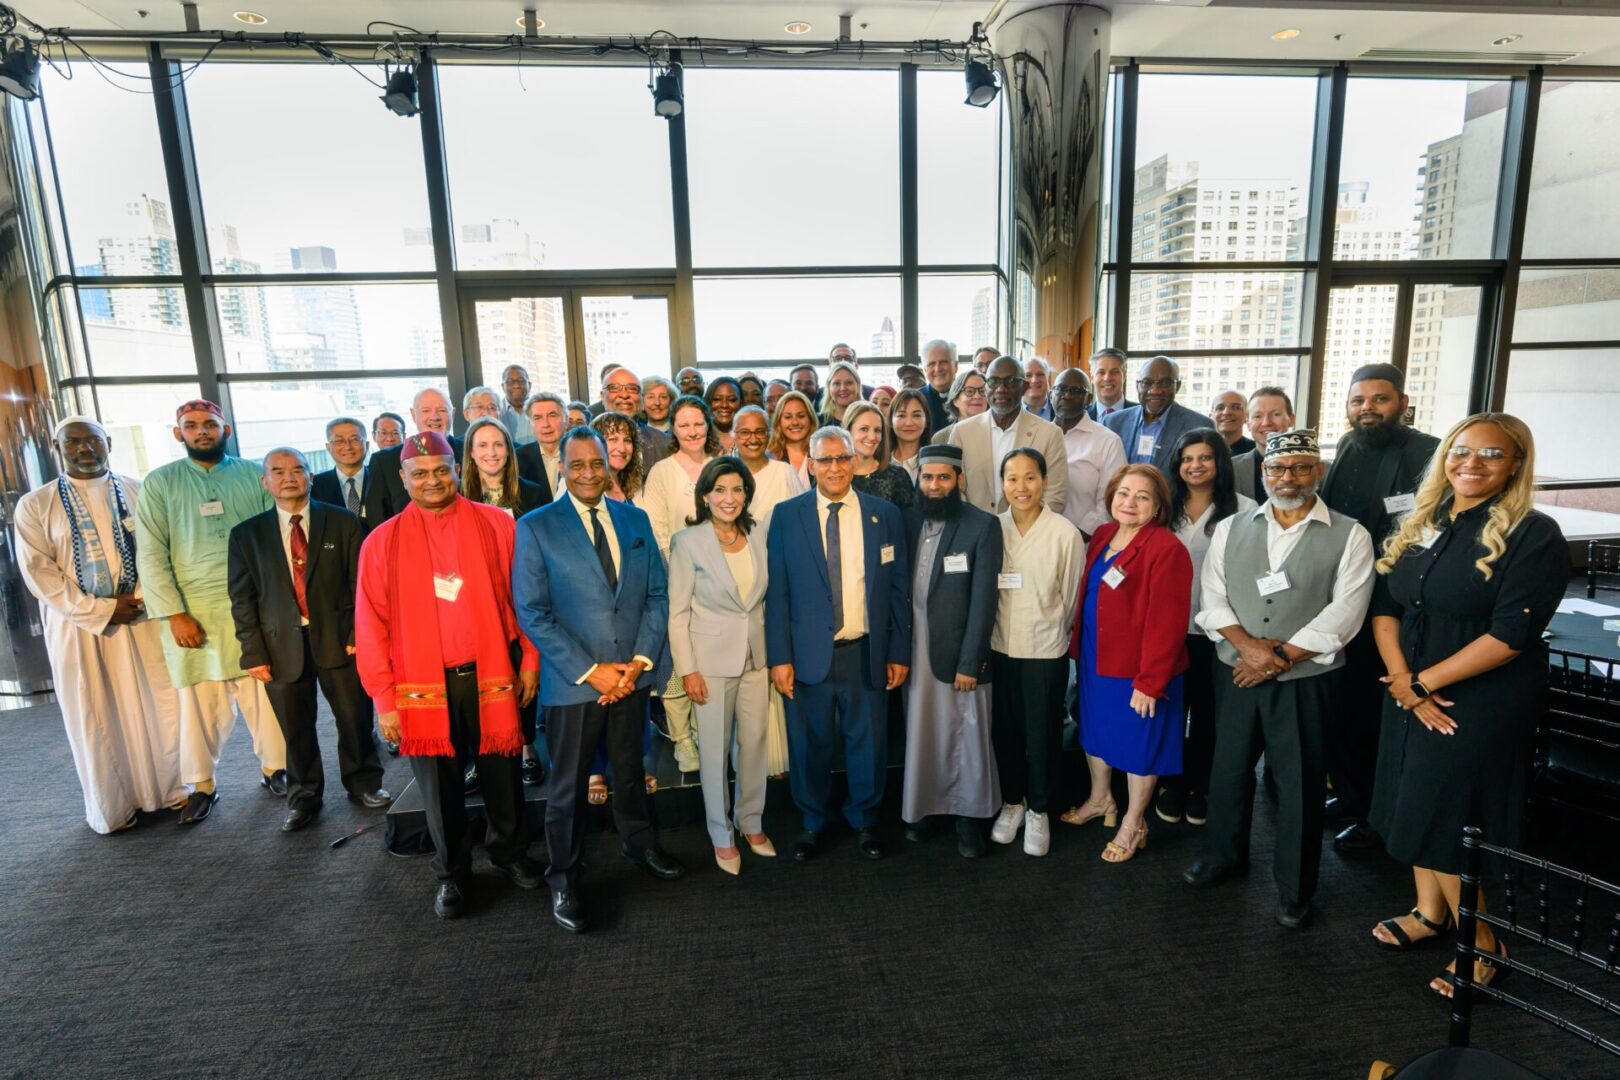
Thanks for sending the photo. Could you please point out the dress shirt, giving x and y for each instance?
(1197, 541)
(1002, 442)
(1095, 454)
(517, 425)
(343, 479)
(1106, 410)
(852, 541)
(1337, 623)
(1044, 412)
(1034, 621)
(1154, 428)
(285, 517)
(606, 518)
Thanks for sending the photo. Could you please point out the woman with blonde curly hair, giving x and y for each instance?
(1465, 587)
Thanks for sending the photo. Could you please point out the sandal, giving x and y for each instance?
(597, 793)
(1403, 941)
(1493, 974)
(651, 782)
(1077, 815)
(1118, 853)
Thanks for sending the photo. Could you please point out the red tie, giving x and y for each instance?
(300, 555)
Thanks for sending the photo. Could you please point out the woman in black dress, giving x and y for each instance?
(1465, 588)
(874, 474)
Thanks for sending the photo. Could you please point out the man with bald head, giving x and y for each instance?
(76, 552)
(690, 381)
(430, 411)
(293, 571)
(1037, 383)
(1226, 415)
(621, 393)
(939, 368)
(1151, 430)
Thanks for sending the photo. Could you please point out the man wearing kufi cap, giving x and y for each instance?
(76, 551)
(1374, 476)
(955, 557)
(183, 526)
(1285, 588)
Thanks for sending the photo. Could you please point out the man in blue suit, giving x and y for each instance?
(1151, 430)
(589, 587)
(838, 635)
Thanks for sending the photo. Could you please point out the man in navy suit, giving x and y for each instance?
(348, 483)
(589, 587)
(1108, 375)
(837, 635)
(1151, 430)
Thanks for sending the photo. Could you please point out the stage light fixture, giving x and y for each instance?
(1289, 34)
(400, 97)
(19, 70)
(982, 84)
(252, 18)
(667, 98)
(798, 26)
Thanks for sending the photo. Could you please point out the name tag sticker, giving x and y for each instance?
(211, 509)
(1009, 581)
(886, 553)
(956, 564)
(1400, 504)
(446, 588)
(1114, 576)
(1144, 446)
(1272, 583)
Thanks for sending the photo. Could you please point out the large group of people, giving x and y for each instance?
(777, 568)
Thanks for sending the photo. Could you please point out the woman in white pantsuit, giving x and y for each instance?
(717, 639)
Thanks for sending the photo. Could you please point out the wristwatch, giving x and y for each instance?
(1418, 688)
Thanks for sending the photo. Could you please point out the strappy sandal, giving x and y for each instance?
(1117, 853)
(1076, 815)
(1403, 941)
(1494, 974)
(597, 793)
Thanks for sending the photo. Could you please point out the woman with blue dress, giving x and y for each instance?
(1132, 628)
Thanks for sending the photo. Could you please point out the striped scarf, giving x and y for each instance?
(89, 557)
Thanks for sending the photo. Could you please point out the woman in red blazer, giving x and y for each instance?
(1131, 628)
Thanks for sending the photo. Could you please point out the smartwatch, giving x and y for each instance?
(1282, 653)
(1418, 688)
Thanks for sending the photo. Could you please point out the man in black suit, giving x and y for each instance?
(348, 482)
(430, 411)
(292, 598)
(538, 460)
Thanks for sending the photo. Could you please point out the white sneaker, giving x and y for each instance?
(1007, 822)
(1037, 833)
(686, 755)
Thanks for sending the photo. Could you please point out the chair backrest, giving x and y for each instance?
(1602, 566)
(1585, 924)
(1577, 754)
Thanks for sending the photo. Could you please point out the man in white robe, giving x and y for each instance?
(75, 547)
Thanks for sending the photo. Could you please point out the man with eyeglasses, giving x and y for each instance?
(690, 381)
(1151, 430)
(983, 357)
(1094, 453)
(621, 391)
(348, 482)
(515, 381)
(1108, 373)
(1285, 587)
(1374, 476)
(987, 438)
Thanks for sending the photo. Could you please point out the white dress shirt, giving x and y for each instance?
(285, 518)
(1337, 623)
(1095, 454)
(852, 542)
(1003, 440)
(1035, 620)
(606, 518)
(1197, 541)
(343, 481)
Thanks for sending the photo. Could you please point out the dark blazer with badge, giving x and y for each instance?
(961, 605)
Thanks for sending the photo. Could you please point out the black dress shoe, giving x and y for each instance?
(969, 838)
(869, 844)
(524, 872)
(372, 800)
(449, 902)
(198, 806)
(1292, 915)
(469, 779)
(532, 774)
(1355, 837)
(657, 862)
(567, 909)
(298, 817)
(275, 783)
(807, 846)
(919, 830)
(1207, 872)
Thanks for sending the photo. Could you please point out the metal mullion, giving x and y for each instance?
(339, 375)
(529, 281)
(67, 246)
(799, 271)
(943, 269)
(125, 281)
(1400, 342)
(1123, 182)
(1594, 263)
(579, 365)
(403, 277)
(910, 286)
(1327, 146)
(440, 225)
(683, 315)
(1554, 346)
(1488, 387)
(1276, 350)
(1294, 266)
(127, 380)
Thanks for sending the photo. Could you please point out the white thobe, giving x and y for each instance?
(119, 708)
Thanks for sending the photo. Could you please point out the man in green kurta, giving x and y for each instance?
(183, 527)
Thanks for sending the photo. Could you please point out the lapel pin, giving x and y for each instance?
(874, 519)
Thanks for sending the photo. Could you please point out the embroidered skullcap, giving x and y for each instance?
(426, 444)
(198, 405)
(1299, 442)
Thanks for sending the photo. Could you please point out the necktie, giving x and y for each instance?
(835, 565)
(352, 498)
(604, 554)
(300, 555)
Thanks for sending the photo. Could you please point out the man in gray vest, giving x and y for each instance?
(1285, 587)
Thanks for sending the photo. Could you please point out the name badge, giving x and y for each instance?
(1272, 583)
(1114, 576)
(1009, 581)
(886, 553)
(1144, 445)
(211, 509)
(1400, 504)
(956, 564)
(446, 588)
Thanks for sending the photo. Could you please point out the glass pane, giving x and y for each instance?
(1573, 211)
(794, 168)
(140, 420)
(751, 319)
(330, 327)
(1209, 190)
(1568, 304)
(1105, 313)
(270, 414)
(110, 167)
(961, 308)
(1215, 311)
(1565, 396)
(1440, 354)
(1203, 377)
(1422, 160)
(525, 330)
(957, 169)
(137, 332)
(302, 169)
(1361, 330)
(632, 331)
(518, 206)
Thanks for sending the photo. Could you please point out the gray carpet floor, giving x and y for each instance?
(232, 949)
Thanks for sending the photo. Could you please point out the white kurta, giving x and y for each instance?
(119, 708)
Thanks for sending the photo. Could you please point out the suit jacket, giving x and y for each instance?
(981, 473)
(798, 599)
(1096, 410)
(1142, 622)
(713, 629)
(1246, 475)
(327, 487)
(392, 499)
(565, 607)
(961, 606)
(1178, 420)
(264, 606)
(532, 467)
(1400, 468)
(655, 447)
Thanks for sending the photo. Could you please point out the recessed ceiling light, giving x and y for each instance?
(523, 21)
(1286, 35)
(797, 28)
(252, 18)
(1510, 39)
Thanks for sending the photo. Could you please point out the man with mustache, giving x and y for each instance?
(1151, 430)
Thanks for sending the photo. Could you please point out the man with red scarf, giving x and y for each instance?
(440, 652)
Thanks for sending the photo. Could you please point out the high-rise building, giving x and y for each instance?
(980, 322)
(885, 342)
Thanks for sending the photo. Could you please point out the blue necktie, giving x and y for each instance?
(351, 500)
(835, 565)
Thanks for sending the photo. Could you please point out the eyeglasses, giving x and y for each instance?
(971, 391)
(1003, 380)
(1484, 453)
(750, 433)
(1158, 384)
(1299, 470)
(835, 459)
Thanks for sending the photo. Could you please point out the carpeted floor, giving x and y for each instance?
(231, 949)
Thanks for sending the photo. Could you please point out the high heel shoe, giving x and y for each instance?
(1118, 853)
(730, 864)
(764, 847)
(1075, 816)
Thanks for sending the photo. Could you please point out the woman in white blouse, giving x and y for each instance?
(1039, 585)
(717, 575)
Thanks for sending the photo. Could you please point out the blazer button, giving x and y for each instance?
(1262, 620)
(1268, 601)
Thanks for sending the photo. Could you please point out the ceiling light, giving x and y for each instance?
(1286, 35)
(797, 28)
(252, 18)
(400, 97)
(19, 71)
(523, 21)
(982, 84)
(667, 99)
(1510, 39)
